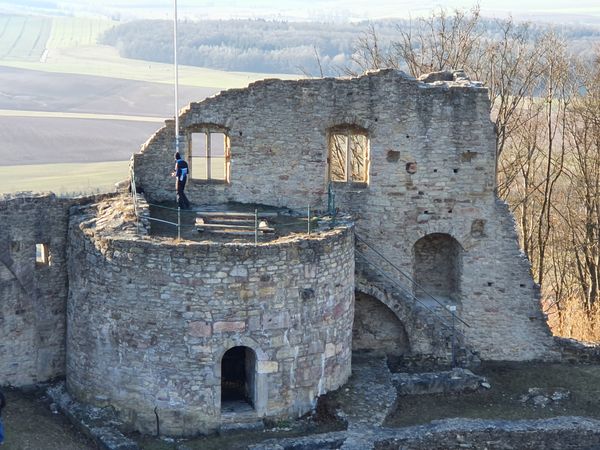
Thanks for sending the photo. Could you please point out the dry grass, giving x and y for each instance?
(573, 320)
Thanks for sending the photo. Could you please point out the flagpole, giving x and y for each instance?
(176, 68)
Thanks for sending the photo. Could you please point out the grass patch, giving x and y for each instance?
(509, 382)
(63, 178)
(23, 37)
(76, 31)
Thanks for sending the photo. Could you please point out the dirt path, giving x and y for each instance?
(30, 425)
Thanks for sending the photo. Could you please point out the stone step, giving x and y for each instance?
(225, 226)
(231, 214)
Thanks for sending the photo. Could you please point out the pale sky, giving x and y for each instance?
(374, 9)
(582, 11)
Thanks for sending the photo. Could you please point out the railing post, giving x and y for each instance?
(452, 310)
(255, 227)
(308, 222)
(178, 223)
(330, 199)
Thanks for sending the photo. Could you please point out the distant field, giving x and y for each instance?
(76, 31)
(24, 90)
(82, 106)
(40, 140)
(23, 38)
(68, 45)
(64, 178)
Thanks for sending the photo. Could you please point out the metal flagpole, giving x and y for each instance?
(176, 77)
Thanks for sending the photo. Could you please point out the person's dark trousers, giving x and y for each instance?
(182, 200)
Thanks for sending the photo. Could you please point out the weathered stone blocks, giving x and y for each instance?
(159, 343)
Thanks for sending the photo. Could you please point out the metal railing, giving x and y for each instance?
(409, 292)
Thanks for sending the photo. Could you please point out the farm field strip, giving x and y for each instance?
(40, 140)
(68, 115)
(73, 32)
(104, 61)
(23, 37)
(81, 178)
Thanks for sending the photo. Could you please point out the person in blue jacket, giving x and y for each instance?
(181, 172)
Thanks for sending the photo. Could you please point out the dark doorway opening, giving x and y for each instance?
(238, 376)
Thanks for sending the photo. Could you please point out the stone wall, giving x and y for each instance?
(149, 320)
(432, 171)
(32, 295)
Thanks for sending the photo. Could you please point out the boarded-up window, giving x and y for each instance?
(209, 156)
(348, 156)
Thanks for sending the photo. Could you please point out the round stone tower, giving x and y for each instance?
(192, 334)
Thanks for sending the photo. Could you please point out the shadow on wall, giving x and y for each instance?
(376, 329)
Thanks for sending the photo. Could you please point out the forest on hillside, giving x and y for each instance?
(309, 48)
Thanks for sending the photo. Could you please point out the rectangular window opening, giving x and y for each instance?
(42, 254)
(349, 157)
(209, 156)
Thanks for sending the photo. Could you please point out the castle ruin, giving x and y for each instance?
(415, 257)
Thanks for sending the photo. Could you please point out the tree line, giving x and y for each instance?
(310, 48)
(545, 102)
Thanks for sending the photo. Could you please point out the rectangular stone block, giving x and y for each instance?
(224, 327)
(200, 329)
(267, 366)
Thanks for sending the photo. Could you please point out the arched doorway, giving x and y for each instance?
(437, 266)
(238, 378)
(377, 331)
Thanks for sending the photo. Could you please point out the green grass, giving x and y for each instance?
(75, 32)
(23, 38)
(63, 178)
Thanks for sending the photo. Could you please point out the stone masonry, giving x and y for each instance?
(441, 131)
(142, 323)
(33, 295)
(149, 322)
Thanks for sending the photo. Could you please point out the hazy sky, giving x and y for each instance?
(360, 9)
(584, 11)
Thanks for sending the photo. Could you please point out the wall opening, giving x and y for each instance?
(238, 379)
(437, 266)
(377, 330)
(209, 152)
(348, 155)
(42, 254)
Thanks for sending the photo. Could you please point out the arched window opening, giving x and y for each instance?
(377, 331)
(437, 267)
(238, 374)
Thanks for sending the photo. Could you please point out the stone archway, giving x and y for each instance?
(437, 266)
(238, 377)
(377, 330)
